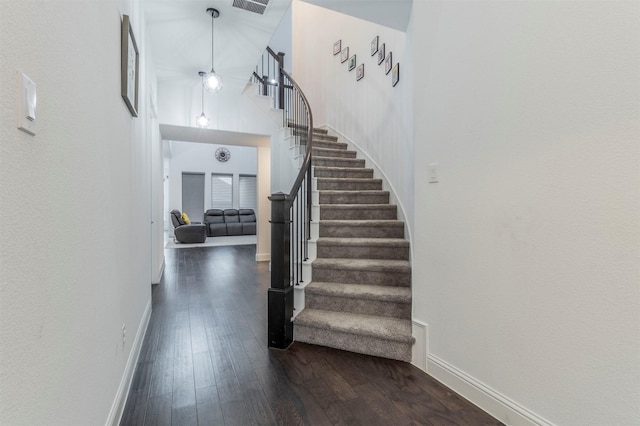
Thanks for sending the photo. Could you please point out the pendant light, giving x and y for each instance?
(202, 120)
(212, 81)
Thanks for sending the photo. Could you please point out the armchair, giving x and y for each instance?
(193, 233)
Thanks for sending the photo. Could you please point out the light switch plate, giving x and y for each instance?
(26, 104)
(432, 171)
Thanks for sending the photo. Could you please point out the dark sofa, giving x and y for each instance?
(230, 222)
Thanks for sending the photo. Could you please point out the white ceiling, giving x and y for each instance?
(180, 39)
(390, 13)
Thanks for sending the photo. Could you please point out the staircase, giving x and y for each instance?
(359, 298)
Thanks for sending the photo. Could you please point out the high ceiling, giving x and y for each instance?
(390, 13)
(180, 33)
(180, 38)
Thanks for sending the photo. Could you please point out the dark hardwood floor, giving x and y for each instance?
(205, 361)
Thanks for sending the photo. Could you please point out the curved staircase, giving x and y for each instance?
(359, 298)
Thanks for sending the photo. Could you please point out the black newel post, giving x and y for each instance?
(280, 295)
(280, 80)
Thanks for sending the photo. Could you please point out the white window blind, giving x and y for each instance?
(221, 191)
(248, 192)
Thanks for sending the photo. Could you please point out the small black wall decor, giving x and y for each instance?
(388, 63)
(345, 55)
(381, 54)
(337, 47)
(396, 75)
(352, 62)
(374, 45)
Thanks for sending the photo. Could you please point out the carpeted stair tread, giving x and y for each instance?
(363, 248)
(373, 265)
(391, 329)
(361, 291)
(361, 196)
(322, 143)
(348, 184)
(372, 228)
(338, 162)
(363, 242)
(358, 212)
(333, 153)
(364, 223)
(335, 172)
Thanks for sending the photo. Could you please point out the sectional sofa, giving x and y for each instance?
(220, 222)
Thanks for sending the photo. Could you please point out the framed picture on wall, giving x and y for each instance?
(337, 46)
(374, 45)
(360, 72)
(345, 55)
(381, 54)
(396, 75)
(352, 62)
(129, 67)
(388, 63)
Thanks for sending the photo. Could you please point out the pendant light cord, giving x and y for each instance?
(212, 18)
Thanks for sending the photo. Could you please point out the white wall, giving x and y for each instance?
(281, 40)
(180, 102)
(528, 249)
(75, 240)
(370, 113)
(200, 158)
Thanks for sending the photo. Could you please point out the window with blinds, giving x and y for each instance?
(221, 191)
(248, 192)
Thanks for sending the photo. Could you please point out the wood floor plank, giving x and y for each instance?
(159, 410)
(205, 361)
(208, 405)
(235, 413)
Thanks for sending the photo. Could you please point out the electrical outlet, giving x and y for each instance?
(124, 334)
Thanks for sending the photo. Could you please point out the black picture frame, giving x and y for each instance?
(345, 55)
(374, 45)
(388, 63)
(360, 72)
(352, 62)
(395, 75)
(129, 67)
(381, 54)
(337, 47)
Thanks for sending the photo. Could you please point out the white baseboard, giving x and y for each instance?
(420, 349)
(117, 408)
(493, 402)
(160, 272)
(263, 257)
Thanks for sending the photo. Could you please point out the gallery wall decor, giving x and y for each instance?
(360, 72)
(374, 45)
(345, 55)
(381, 54)
(352, 62)
(388, 63)
(337, 47)
(129, 66)
(396, 75)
